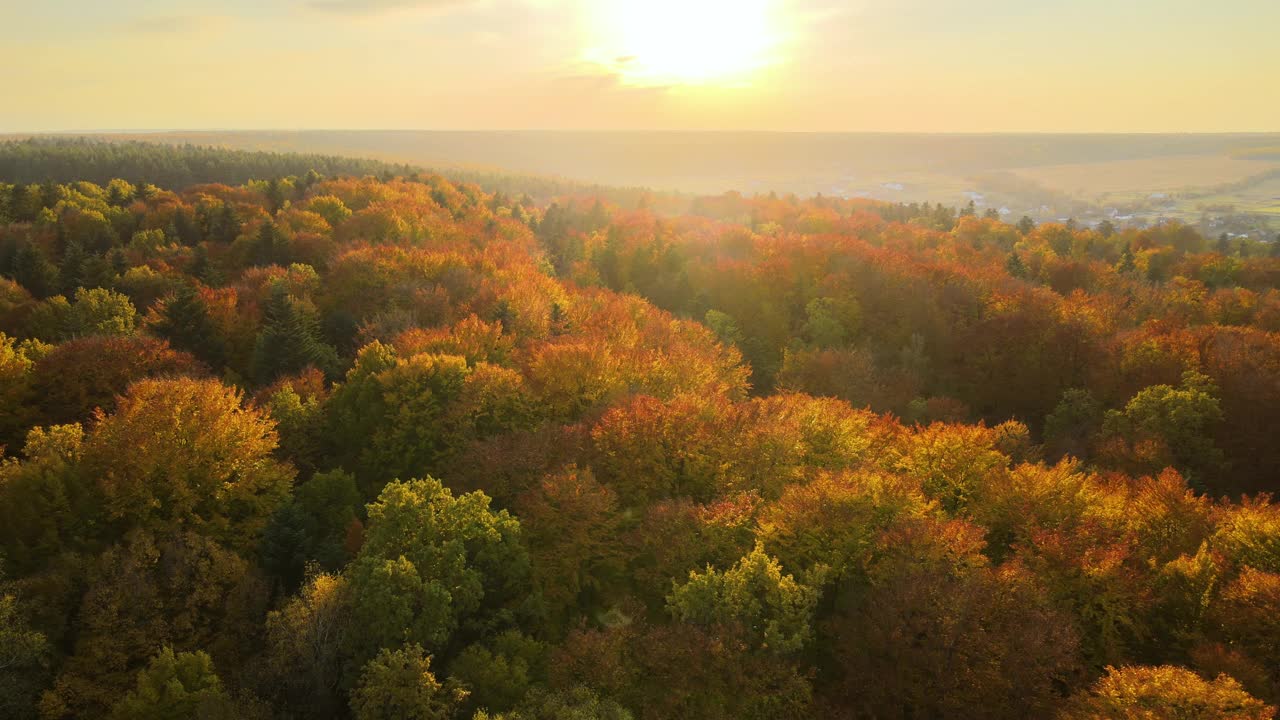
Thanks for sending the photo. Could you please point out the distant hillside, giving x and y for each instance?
(178, 160)
(37, 160)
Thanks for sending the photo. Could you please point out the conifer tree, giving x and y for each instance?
(185, 323)
(289, 340)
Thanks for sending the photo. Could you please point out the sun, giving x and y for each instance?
(684, 42)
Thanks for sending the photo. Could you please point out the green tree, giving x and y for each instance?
(290, 339)
(25, 659)
(269, 246)
(185, 322)
(399, 685)
(32, 270)
(173, 687)
(822, 326)
(498, 673)
(1126, 264)
(312, 528)
(120, 192)
(432, 564)
(578, 703)
(725, 327)
(390, 418)
(754, 595)
(1014, 266)
(1183, 418)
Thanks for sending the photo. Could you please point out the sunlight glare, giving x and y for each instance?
(685, 42)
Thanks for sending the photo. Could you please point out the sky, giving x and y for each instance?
(782, 65)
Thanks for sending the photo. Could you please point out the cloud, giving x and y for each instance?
(375, 7)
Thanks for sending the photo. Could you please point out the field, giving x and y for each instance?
(1149, 175)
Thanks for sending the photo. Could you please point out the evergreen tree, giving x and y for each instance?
(1014, 266)
(289, 340)
(34, 272)
(1126, 264)
(185, 323)
(275, 195)
(184, 227)
(1026, 225)
(270, 246)
(203, 269)
(72, 269)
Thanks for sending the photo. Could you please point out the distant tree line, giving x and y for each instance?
(63, 160)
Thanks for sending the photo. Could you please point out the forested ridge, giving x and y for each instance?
(322, 444)
(75, 159)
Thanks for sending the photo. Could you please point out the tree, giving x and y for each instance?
(943, 633)
(569, 521)
(290, 339)
(120, 192)
(32, 269)
(185, 453)
(173, 686)
(313, 528)
(1070, 428)
(577, 703)
(498, 673)
(398, 685)
(95, 312)
(269, 246)
(1181, 419)
(183, 319)
(1015, 267)
(331, 208)
(433, 564)
(144, 593)
(25, 659)
(824, 324)
(725, 327)
(772, 609)
(309, 645)
(1164, 692)
(1026, 225)
(1126, 264)
(80, 376)
(16, 362)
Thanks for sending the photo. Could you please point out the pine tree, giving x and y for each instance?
(289, 340)
(185, 323)
(72, 269)
(1126, 264)
(270, 247)
(34, 272)
(184, 227)
(1014, 266)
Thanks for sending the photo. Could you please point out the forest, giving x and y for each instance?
(287, 437)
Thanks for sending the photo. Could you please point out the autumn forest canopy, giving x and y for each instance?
(296, 436)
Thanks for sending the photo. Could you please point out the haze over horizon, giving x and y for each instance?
(936, 66)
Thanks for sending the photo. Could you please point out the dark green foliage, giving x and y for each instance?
(313, 528)
(34, 271)
(290, 339)
(185, 323)
(25, 660)
(270, 247)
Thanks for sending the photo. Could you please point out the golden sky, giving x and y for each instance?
(788, 65)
